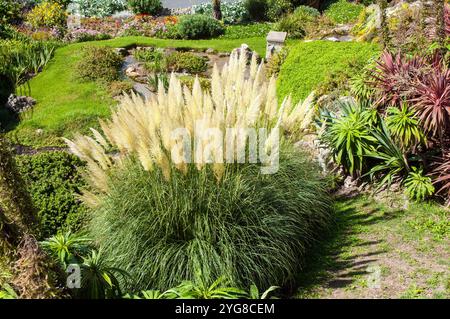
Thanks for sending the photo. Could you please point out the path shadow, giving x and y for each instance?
(325, 265)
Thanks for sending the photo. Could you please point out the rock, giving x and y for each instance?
(19, 104)
(121, 51)
(136, 72)
(210, 51)
(223, 54)
(39, 131)
(334, 39)
(245, 49)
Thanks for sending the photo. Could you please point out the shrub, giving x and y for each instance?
(99, 63)
(343, 11)
(9, 11)
(186, 61)
(233, 12)
(47, 14)
(52, 180)
(257, 9)
(278, 8)
(315, 59)
(152, 7)
(295, 24)
(418, 186)
(441, 175)
(117, 88)
(199, 27)
(152, 215)
(188, 80)
(99, 8)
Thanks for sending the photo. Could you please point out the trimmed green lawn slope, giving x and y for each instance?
(67, 105)
(309, 62)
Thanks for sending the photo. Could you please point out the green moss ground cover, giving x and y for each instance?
(309, 62)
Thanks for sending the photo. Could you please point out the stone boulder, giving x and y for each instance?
(19, 104)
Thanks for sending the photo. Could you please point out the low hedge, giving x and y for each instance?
(53, 179)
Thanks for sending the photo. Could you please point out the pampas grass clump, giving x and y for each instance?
(165, 222)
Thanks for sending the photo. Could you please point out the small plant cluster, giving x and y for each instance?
(84, 35)
(99, 64)
(20, 60)
(296, 23)
(396, 131)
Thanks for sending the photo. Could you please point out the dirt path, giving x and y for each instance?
(377, 250)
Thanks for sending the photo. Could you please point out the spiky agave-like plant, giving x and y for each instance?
(164, 222)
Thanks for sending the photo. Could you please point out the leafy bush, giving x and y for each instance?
(186, 61)
(315, 59)
(233, 12)
(297, 23)
(199, 27)
(257, 9)
(151, 213)
(418, 186)
(9, 11)
(152, 7)
(52, 179)
(99, 63)
(254, 30)
(99, 8)
(47, 14)
(278, 8)
(344, 11)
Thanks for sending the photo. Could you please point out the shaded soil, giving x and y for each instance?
(381, 250)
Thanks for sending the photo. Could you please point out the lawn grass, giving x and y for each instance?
(66, 105)
(407, 244)
(308, 63)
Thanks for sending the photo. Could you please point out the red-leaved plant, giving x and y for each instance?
(394, 77)
(433, 101)
(442, 176)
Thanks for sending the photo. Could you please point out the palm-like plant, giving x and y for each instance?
(349, 136)
(99, 280)
(418, 186)
(199, 289)
(67, 246)
(404, 127)
(393, 163)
